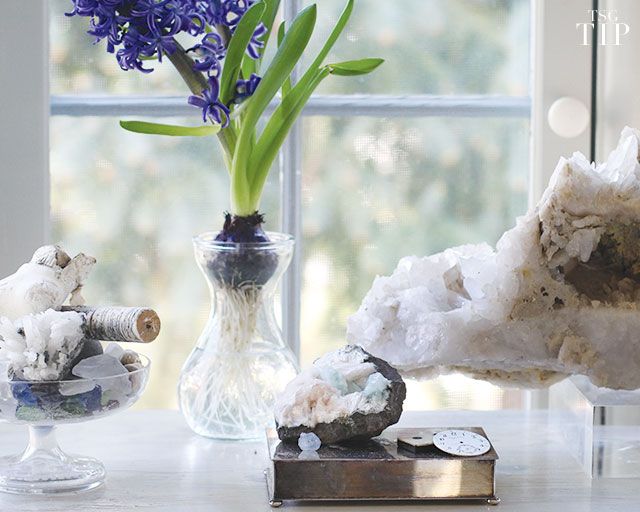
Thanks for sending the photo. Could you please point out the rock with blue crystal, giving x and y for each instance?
(345, 395)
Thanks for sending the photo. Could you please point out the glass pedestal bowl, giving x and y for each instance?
(43, 468)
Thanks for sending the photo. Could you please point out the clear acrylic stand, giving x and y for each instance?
(601, 427)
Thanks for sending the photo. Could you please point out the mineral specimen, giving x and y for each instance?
(346, 394)
(559, 296)
(41, 346)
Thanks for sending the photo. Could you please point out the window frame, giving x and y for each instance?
(25, 96)
(24, 144)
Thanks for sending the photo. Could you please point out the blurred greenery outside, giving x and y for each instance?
(374, 189)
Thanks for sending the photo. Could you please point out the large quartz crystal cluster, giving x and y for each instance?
(346, 394)
(560, 295)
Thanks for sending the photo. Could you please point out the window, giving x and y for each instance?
(430, 151)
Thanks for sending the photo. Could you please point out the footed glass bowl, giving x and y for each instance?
(43, 468)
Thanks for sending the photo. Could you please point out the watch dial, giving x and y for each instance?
(461, 442)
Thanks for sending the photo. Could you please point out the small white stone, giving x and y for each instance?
(100, 366)
(114, 350)
(109, 373)
(309, 442)
(75, 387)
(308, 455)
(130, 357)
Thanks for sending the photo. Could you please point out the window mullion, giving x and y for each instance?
(319, 105)
(291, 186)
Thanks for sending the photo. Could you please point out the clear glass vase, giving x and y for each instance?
(228, 384)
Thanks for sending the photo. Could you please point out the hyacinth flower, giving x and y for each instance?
(232, 86)
(227, 77)
(228, 384)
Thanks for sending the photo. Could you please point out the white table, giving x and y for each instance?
(155, 463)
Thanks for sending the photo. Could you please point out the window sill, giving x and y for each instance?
(153, 461)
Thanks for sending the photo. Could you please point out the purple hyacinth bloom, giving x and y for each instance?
(246, 88)
(137, 30)
(209, 102)
(210, 52)
(133, 48)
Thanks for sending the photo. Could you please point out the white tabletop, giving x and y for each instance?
(155, 463)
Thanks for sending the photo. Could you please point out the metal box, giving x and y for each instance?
(379, 470)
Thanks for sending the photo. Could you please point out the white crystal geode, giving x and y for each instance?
(339, 384)
(345, 395)
(560, 295)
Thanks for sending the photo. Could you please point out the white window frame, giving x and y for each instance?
(24, 137)
(25, 101)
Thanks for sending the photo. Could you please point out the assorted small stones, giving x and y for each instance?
(100, 380)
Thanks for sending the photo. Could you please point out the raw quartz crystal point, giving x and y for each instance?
(345, 395)
(559, 295)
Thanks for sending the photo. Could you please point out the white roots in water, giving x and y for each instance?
(236, 314)
(229, 385)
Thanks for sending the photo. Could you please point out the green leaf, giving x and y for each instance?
(354, 67)
(286, 113)
(277, 129)
(316, 66)
(169, 129)
(293, 45)
(333, 37)
(286, 86)
(282, 29)
(236, 50)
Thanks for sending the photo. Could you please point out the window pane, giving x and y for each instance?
(134, 202)
(375, 190)
(431, 46)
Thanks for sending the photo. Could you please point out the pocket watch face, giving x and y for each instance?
(461, 442)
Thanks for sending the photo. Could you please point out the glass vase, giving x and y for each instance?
(228, 384)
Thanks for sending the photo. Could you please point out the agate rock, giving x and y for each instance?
(346, 395)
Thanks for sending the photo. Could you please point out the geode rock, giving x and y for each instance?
(345, 395)
(559, 296)
(41, 346)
